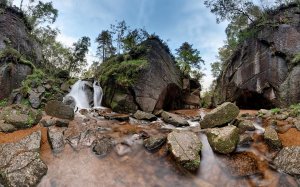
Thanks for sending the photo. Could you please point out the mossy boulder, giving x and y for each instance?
(221, 115)
(246, 125)
(20, 116)
(174, 119)
(223, 140)
(271, 138)
(185, 147)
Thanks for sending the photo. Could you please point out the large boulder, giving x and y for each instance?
(223, 140)
(185, 147)
(287, 160)
(152, 83)
(20, 163)
(261, 72)
(59, 109)
(221, 115)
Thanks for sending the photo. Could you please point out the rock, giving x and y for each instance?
(223, 140)
(103, 146)
(34, 100)
(245, 139)
(122, 149)
(140, 115)
(287, 160)
(174, 119)
(219, 116)
(56, 138)
(62, 123)
(297, 125)
(48, 122)
(6, 128)
(20, 163)
(83, 111)
(259, 73)
(185, 147)
(264, 113)
(240, 164)
(119, 117)
(65, 87)
(157, 84)
(41, 89)
(246, 125)
(272, 138)
(281, 116)
(154, 142)
(59, 109)
(20, 116)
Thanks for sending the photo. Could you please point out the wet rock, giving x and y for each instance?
(20, 116)
(59, 109)
(140, 115)
(245, 139)
(174, 119)
(264, 113)
(246, 125)
(271, 138)
(185, 147)
(240, 164)
(6, 128)
(20, 163)
(34, 100)
(287, 160)
(119, 117)
(62, 123)
(223, 140)
(56, 138)
(83, 111)
(154, 142)
(103, 146)
(48, 122)
(122, 149)
(221, 115)
(281, 116)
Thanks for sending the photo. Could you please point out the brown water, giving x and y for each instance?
(141, 168)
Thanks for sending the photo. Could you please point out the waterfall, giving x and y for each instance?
(98, 93)
(80, 97)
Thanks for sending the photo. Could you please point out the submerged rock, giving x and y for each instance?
(56, 138)
(246, 125)
(223, 140)
(154, 142)
(221, 115)
(174, 119)
(140, 115)
(119, 117)
(59, 109)
(287, 160)
(103, 146)
(245, 139)
(271, 138)
(185, 147)
(20, 163)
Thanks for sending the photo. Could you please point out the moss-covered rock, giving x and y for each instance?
(221, 115)
(223, 140)
(271, 138)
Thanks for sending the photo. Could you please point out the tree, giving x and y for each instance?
(188, 58)
(77, 60)
(216, 69)
(120, 30)
(134, 38)
(42, 13)
(105, 47)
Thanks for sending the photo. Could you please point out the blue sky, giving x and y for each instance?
(175, 21)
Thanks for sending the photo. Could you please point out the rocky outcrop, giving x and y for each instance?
(185, 147)
(157, 84)
(20, 163)
(261, 72)
(15, 34)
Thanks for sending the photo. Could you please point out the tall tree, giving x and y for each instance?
(188, 58)
(78, 60)
(119, 30)
(105, 47)
(42, 13)
(134, 38)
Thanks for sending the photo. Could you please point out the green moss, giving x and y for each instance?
(3, 102)
(296, 59)
(11, 55)
(275, 111)
(32, 81)
(295, 110)
(122, 73)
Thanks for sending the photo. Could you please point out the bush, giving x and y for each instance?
(295, 110)
(275, 111)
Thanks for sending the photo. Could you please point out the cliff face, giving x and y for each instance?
(15, 35)
(261, 73)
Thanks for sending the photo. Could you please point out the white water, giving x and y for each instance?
(78, 93)
(98, 94)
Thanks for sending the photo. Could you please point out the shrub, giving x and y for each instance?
(275, 111)
(295, 109)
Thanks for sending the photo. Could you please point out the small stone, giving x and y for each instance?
(62, 123)
(48, 122)
(223, 140)
(185, 147)
(174, 119)
(56, 138)
(281, 116)
(103, 146)
(83, 111)
(245, 139)
(154, 142)
(246, 125)
(41, 89)
(6, 128)
(140, 115)
(65, 87)
(119, 117)
(122, 149)
(271, 138)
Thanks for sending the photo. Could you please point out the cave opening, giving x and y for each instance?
(253, 100)
(170, 98)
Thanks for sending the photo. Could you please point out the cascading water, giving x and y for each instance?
(79, 96)
(98, 93)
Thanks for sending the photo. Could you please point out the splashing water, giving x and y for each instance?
(98, 93)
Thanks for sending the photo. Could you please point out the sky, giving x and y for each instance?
(175, 21)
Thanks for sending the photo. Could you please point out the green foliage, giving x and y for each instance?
(32, 81)
(296, 59)
(11, 55)
(42, 13)
(275, 111)
(122, 73)
(295, 110)
(105, 47)
(3, 102)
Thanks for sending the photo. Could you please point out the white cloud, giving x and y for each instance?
(66, 40)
